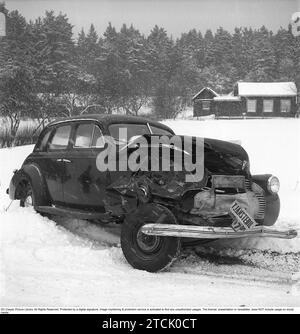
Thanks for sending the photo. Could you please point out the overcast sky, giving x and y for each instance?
(176, 16)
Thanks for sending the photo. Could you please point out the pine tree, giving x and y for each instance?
(208, 42)
(159, 48)
(17, 84)
(108, 70)
(220, 51)
(264, 64)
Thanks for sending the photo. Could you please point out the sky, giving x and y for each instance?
(176, 16)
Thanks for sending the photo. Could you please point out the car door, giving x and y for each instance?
(49, 156)
(85, 184)
(123, 132)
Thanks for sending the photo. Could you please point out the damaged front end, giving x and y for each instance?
(227, 203)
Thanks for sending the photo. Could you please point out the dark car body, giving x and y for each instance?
(65, 180)
(67, 176)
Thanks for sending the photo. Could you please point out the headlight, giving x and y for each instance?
(273, 184)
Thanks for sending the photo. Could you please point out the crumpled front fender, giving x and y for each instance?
(272, 208)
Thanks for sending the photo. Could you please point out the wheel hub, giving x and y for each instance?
(147, 243)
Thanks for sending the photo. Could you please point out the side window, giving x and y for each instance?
(61, 137)
(206, 105)
(98, 139)
(84, 133)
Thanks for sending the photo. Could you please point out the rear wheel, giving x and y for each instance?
(146, 252)
(28, 199)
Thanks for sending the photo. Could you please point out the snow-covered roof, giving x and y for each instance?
(205, 88)
(228, 97)
(267, 89)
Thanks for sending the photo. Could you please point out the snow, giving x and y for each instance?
(73, 263)
(228, 97)
(267, 89)
(205, 88)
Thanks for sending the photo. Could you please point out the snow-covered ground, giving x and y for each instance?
(75, 263)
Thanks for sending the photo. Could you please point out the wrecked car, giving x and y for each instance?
(79, 168)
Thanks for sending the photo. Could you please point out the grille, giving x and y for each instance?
(262, 206)
(248, 185)
(260, 195)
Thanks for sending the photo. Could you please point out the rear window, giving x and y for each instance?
(61, 137)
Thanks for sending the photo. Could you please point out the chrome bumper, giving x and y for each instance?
(207, 232)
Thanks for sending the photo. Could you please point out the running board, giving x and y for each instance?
(72, 213)
(207, 232)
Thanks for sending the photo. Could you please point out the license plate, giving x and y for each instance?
(241, 219)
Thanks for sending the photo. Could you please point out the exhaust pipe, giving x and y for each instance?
(208, 232)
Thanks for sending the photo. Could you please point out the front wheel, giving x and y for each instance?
(146, 252)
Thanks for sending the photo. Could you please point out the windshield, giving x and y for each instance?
(123, 132)
(159, 131)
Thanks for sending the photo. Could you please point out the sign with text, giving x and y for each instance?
(241, 219)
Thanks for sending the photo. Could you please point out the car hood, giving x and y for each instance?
(220, 157)
(225, 157)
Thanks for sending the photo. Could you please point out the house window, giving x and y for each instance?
(285, 105)
(205, 105)
(268, 105)
(251, 105)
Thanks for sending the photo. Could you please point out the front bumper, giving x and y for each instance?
(207, 232)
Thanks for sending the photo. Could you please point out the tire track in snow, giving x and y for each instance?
(265, 266)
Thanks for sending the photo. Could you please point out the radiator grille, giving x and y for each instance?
(248, 185)
(260, 195)
(262, 206)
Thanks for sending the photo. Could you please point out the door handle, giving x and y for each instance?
(63, 160)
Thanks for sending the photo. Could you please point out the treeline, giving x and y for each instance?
(45, 71)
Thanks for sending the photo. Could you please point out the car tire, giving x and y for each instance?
(29, 199)
(150, 253)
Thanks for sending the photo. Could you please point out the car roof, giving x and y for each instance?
(107, 119)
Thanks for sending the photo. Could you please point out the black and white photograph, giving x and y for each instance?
(149, 157)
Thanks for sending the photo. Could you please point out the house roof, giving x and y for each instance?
(267, 89)
(205, 88)
(228, 97)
